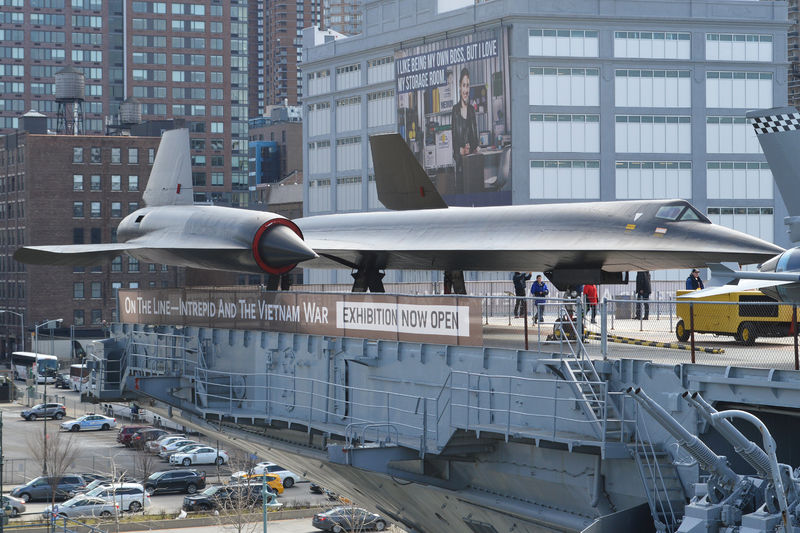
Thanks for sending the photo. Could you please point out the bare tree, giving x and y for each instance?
(58, 451)
(238, 504)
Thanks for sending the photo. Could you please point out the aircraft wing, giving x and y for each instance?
(95, 254)
(743, 285)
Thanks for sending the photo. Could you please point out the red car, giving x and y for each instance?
(126, 432)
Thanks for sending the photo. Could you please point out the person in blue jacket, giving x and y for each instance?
(540, 290)
(693, 282)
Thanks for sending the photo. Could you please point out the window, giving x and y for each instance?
(564, 133)
(653, 179)
(735, 180)
(133, 183)
(77, 182)
(77, 290)
(730, 135)
(756, 221)
(94, 210)
(380, 69)
(652, 88)
(746, 90)
(133, 156)
(96, 235)
(132, 206)
(77, 317)
(95, 154)
(564, 86)
(116, 156)
(653, 134)
(133, 264)
(116, 209)
(652, 45)
(77, 154)
(116, 182)
(97, 316)
(95, 183)
(116, 264)
(77, 235)
(738, 47)
(77, 209)
(569, 43)
(564, 180)
(97, 289)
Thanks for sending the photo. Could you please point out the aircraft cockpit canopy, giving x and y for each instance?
(681, 212)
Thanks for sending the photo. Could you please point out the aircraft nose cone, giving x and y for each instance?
(281, 247)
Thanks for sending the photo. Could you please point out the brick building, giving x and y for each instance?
(59, 189)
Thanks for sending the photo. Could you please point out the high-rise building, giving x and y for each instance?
(180, 60)
(343, 16)
(793, 40)
(278, 51)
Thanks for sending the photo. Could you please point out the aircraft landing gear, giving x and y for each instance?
(368, 278)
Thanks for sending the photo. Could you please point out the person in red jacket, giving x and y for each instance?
(591, 300)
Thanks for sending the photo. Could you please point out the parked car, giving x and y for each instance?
(316, 489)
(126, 432)
(99, 482)
(88, 477)
(224, 496)
(41, 488)
(13, 506)
(274, 483)
(288, 478)
(202, 455)
(183, 480)
(155, 446)
(341, 519)
(45, 410)
(143, 436)
(169, 449)
(63, 381)
(128, 496)
(100, 422)
(182, 449)
(81, 506)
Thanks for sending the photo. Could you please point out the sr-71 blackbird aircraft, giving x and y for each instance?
(572, 243)
(778, 131)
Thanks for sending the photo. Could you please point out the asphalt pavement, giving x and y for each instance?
(99, 452)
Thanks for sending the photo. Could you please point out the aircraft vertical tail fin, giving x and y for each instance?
(170, 181)
(778, 131)
(401, 181)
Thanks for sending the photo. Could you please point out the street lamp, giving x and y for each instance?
(51, 325)
(21, 325)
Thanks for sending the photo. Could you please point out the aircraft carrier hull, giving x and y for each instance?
(441, 438)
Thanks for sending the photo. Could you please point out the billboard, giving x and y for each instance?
(436, 319)
(452, 109)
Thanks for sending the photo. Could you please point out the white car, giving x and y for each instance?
(172, 447)
(128, 496)
(288, 478)
(91, 421)
(154, 446)
(204, 455)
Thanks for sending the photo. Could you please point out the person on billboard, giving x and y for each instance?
(465, 128)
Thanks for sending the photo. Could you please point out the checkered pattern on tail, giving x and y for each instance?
(776, 123)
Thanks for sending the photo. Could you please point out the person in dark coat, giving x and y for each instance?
(643, 293)
(693, 282)
(520, 280)
(540, 290)
(465, 128)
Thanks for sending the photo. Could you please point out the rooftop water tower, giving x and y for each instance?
(70, 85)
(130, 112)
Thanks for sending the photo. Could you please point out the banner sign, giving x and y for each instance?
(423, 71)
(435, 319)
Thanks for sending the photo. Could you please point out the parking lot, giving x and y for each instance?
(99, 452)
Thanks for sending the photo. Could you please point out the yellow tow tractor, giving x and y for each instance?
(745, 315)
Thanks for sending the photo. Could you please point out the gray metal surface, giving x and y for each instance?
(430, 434)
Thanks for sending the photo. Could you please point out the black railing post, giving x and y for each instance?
(794, 330)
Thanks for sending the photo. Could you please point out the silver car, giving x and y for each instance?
(13, 506)
(81, 506)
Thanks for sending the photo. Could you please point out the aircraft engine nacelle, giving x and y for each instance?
(216, 238)
(788, 261)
